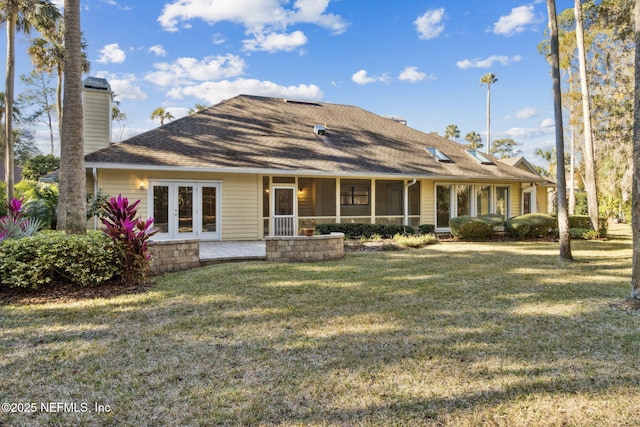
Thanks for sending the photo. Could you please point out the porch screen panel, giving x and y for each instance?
(389, 197)
(185, 209)
(316, 197)
(463, 194)
(483, 200)
(161, 208)
(209, 203)
(502, 201)
(443, 205)
(414, 199)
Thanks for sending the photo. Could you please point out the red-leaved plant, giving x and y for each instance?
(131, 236)
(14, 225)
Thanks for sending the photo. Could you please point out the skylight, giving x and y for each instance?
(480, 157)
(439, 155)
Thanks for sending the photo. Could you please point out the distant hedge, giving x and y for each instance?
(358, 230)
(584, 222)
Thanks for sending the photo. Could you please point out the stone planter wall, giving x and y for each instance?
(305, 249)
(174, 255)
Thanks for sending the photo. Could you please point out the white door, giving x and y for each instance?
(185, 210)
(284, 211)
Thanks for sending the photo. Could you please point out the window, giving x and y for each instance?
(468, 199)
(483, 199)
(502, 201)
(439, 155)
(354, 194)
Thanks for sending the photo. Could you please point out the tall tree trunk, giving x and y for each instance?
(72, 191)
(590, 184)
(59, 99)
(489, 118)
(563, 217)
(8, 103)
(635, 204)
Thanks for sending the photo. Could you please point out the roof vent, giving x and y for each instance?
(398, 119)
(319, 130)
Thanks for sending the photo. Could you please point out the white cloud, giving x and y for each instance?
(189, 70)
(430, 24)
(361, 78)
(158, 50)
(519, 133)
(515, 22)
(525, 113)
(124, 86)
(488, 62)
(548, 122)
(411, 74)
(274, 42)
(256, 15)
(214, 92)
(111, 53)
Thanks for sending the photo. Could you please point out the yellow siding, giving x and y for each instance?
(96, 119)
(542, 202)
(427, 199)
(240, 196)
(516, 199)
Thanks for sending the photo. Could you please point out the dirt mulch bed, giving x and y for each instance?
(61, 293)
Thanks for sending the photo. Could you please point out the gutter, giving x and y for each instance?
(406, 200)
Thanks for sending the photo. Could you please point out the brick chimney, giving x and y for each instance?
(96, 114)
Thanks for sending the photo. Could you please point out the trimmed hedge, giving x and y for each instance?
(358, 230)
(82, 260)
(427, 228)
(467, 227)
(531, 226)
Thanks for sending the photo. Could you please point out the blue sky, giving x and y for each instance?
(421, 60)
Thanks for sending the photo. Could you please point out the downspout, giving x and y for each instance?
(406, 201)
(95, 196)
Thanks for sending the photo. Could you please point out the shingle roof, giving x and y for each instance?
(252, 133)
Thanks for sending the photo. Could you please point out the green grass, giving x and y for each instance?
(458, 334)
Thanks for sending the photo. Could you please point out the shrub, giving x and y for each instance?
(131, 236)
(358, 230)
(584, 222)
(50, 257)
(427, 228)
(470, 228)
(496, 220)
(414, 241)
(15, 225)
(531, 226)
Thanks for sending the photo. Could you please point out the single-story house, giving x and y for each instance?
(255, 166)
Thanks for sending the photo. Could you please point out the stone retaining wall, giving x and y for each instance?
(174, 255)
(305, 249)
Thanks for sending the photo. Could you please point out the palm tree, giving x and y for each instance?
(589, 161)
(563, 215)
(488, 79)
(47, 55)
(197, 108)
(19, 15)
(72, 186)
(162, 114)
(474, 139)
(635, 209)
(452, 132)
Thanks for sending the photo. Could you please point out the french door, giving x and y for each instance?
(185, 210)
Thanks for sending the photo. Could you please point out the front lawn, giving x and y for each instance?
(459, 334)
